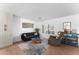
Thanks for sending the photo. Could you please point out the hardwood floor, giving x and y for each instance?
(62, 50)
(11, 50)
(52, 50)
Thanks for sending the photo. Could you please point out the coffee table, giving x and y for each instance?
(36, 41)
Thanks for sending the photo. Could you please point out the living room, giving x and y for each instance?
(39, 29)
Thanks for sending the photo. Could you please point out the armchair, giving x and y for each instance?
(55, 40)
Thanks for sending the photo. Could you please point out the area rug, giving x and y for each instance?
(29, 49)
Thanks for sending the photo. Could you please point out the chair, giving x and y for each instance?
(56, 40)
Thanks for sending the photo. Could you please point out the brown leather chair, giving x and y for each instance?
(55, 40)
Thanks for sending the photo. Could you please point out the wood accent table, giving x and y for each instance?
(36, 41)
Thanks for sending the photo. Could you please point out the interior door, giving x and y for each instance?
(5, 33)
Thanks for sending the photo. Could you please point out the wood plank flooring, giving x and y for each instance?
(51, 50)
(62, 50)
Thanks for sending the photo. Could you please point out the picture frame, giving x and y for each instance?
(27, 25)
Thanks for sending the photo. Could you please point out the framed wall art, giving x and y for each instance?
(27, 25)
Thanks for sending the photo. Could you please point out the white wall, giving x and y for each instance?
(17, 27)
(14, 23)
(26, 30)
(58, 23)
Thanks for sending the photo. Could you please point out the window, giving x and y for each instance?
(67, 25)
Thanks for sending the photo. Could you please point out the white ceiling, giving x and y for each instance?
(43, 11)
